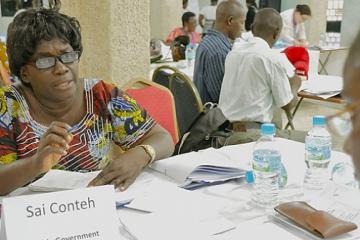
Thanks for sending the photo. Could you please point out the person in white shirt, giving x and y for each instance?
(293, 31)
(207, 16)
(256, 82)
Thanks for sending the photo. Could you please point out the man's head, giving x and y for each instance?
(351, 93)
(189, 21)
(230, 18)
(302, 13)
(267, 25)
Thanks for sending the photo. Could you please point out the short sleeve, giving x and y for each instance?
(8, 149)
(280, 86)
(129, 121)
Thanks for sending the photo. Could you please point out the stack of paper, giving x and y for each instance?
(206, 175)
(323, 86)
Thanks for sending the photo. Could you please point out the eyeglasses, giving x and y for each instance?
(340, 123)
(48, 62)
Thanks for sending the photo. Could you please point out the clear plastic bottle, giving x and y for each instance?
(344, 173)
(317, 155)
(190, 54)
(266, 166)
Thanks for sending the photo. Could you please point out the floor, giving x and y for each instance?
(303, 118)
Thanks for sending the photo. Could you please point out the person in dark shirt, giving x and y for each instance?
(211, 53)
(250, 15)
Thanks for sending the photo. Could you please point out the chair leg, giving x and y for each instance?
(293, 115)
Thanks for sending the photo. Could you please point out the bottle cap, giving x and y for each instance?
(267, 129)
(249, 176)
(319, 120)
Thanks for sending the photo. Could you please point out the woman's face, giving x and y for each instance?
(55, 83)
(191, 24)
(298, 18)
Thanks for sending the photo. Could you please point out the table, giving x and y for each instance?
(233, 199)
(328, 51)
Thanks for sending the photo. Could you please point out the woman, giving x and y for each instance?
(250, 15)
(293, 31)
(54, 119)
(188, 29)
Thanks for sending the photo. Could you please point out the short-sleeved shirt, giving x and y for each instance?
(255, 83)
(291, 31)
(209, 65)
(209, 13)
(112, 116)
(193, 36)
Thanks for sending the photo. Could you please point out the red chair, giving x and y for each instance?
(158, 101)
(299, 57)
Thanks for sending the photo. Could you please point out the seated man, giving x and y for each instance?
(255, 81)
(211, 53)
(189, 24)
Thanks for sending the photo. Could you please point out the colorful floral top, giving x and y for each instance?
(112, 116)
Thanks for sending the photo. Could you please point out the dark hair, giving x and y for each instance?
(252, 3)
(186, 17)
(30, 27)
(181, 42)
(303, 9)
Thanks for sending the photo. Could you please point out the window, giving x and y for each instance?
(334, 15)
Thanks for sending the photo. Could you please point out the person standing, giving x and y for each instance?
(293, 32)
(211, 53)
(207, 16)
(250, 15)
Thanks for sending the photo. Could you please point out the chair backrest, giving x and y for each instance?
(162, 75)
(187, 101)
(157, 101)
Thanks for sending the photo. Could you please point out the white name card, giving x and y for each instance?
(87, 213)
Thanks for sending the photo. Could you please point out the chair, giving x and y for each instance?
(158, 101)
(187, 101)
(162, 75)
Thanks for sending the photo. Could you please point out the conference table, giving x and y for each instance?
(222, 211)
(328, 51)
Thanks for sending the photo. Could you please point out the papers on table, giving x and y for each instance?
(323, 86)
(58, 180)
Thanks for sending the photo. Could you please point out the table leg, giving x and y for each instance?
(293, 114)
(323, 64)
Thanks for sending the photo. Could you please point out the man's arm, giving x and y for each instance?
(295, 83)
(201, 18)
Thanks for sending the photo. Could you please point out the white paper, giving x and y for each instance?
(324, 86)
(57, 180)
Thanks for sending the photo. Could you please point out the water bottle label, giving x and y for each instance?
(318, 152)
(266, 161)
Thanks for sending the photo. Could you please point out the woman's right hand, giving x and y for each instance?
(53, 145)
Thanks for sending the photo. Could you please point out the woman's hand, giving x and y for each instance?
(123, 171)
(52, 146)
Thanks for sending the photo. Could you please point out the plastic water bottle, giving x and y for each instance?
(317, 155)
(344, 173)
(267, 167)
(190, 54)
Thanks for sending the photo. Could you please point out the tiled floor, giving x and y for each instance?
(303, 118)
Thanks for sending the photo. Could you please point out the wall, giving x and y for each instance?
(351, 22)
(164, 16)
(116, 37)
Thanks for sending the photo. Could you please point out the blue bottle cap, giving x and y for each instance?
(319, 120)
(267, 129)
(249, 176)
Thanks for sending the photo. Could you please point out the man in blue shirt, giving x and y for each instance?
(211, 53)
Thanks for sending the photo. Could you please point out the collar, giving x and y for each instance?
(215, 33)
(260, 42)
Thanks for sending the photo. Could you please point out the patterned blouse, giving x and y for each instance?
(112, 116)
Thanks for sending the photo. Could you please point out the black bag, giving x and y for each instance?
(205, 131)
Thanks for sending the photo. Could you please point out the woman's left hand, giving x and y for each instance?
(123, 171)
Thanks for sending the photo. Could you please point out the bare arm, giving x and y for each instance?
(123, 170)
(52, 147)
(295, 83)
(201, 18)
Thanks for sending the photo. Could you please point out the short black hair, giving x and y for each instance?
(32, 26)
(303, 9)
(186, 17)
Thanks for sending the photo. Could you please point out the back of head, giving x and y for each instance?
(303, 9)
(31, 27)
(186, 17)
(229, 8)
(267, 24)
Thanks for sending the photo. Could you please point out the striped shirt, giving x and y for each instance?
(210, 65)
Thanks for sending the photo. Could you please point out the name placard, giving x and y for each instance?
(87, 213)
